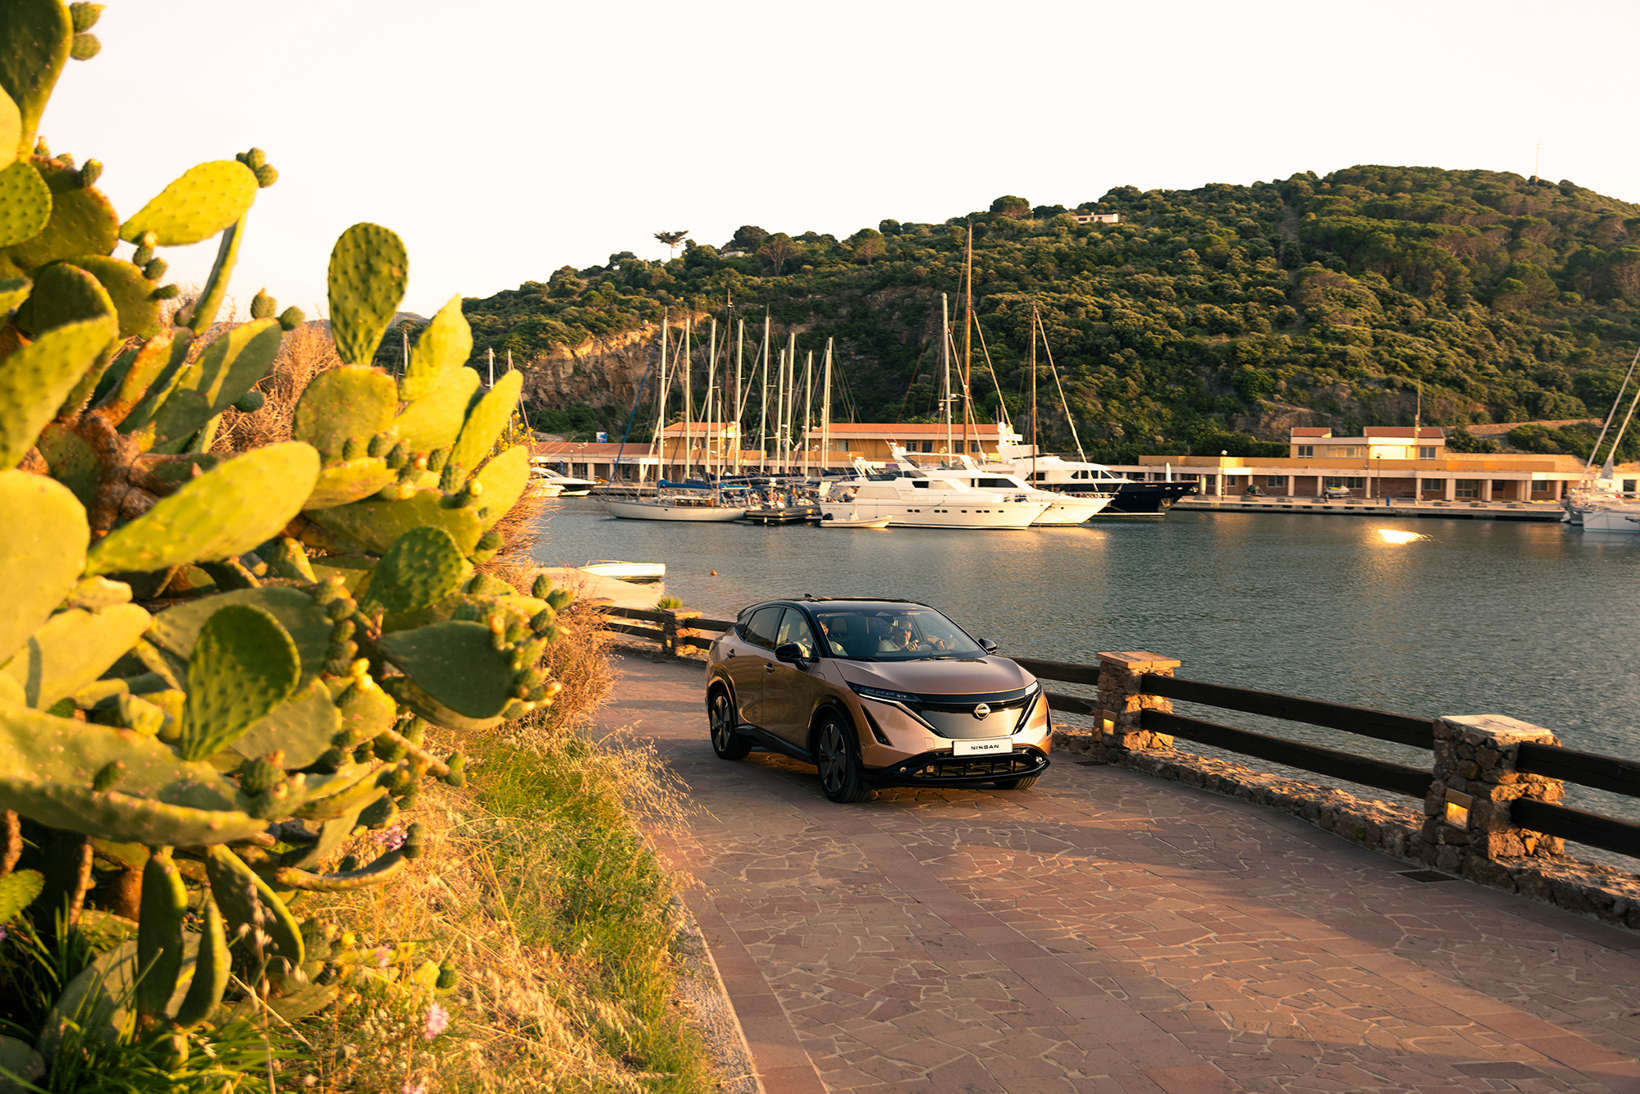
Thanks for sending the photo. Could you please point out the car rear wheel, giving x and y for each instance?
(1023, 783)
(726, 739)
(838, 758)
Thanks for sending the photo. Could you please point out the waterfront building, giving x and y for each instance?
(872, 441)
(1393, 462)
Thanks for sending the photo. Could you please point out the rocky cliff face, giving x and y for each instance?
(600, 372)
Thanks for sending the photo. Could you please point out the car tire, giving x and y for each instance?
(721, 721)
(1023, 783)
(837, 755)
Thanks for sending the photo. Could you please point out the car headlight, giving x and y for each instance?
(883, 694)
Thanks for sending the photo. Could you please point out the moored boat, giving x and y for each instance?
(672, 508)
(913, 500)
(626, 571)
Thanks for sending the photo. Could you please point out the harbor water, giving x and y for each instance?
(1535, 621)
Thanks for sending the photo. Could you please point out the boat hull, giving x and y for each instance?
(665, 510)
(1600, 519)
(627, 571)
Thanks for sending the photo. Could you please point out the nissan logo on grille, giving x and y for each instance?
(983, 710)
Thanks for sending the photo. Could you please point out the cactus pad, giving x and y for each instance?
(366, 709)
(444, 344)
(205, 200)
(11, 130)
(13, 291)
(62, 294)
(487, 420)
(435, 420)
(41, 557)
(503, 480)
(72, 649)
(212, 965)
(47, 766)
(454, 663)
(83, 222)
(243, 666)
(349, 481)
(343, 403)
(368, 271)
(35, 39)
(224, 512)
(372, 526)
(301, 727)
(130, 291)
(25, 203)
(36, 379)
(226, 369)
(423, 566)
(131, 383)
(246, 900)
(159, 933)
(176, 630)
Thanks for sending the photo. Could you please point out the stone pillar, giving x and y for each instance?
(673, 627)
(1466, 815)
(1120, 702)
(1449, 491)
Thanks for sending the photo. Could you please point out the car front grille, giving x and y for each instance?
(976, 767)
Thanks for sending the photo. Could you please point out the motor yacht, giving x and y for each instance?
(1063, 508)
(1054, 473)
(552, 484)
(912, 499)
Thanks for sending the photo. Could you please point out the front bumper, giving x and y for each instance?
(941, 768)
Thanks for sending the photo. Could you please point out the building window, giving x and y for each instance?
(928, 446)
(1355, 482)
(1434, 486)
(973, 447)
(1276, 480)
(1345, 451)
(1426, 452)
(1467, 488)
(1628, 486)
(1305, 451)
(1209, 484)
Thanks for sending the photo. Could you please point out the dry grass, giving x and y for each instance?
(544, 892)
(306, 352)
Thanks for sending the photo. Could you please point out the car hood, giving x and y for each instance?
(957, 676)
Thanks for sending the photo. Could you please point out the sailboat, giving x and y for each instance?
(683, 504)
(1597, 503)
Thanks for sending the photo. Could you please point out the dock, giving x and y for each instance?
(1374, 507)
(1107, 930)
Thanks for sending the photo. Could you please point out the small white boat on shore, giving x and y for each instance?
(830, 521)
(626, 571)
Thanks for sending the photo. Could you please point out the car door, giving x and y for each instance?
(791, 691)
(748, 660)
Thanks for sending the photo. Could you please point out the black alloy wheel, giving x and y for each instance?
(838, 758)
(1023, 783)
(726, 741)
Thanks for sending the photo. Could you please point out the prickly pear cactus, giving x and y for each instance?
(213, 671)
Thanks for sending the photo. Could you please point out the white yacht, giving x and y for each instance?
(1612, 516)
(1127, 497)
(1063, 508)
(551, 484)
(912, 499)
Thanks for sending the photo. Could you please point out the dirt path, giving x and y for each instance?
(1109, 932)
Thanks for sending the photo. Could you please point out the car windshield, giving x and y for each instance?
(893, 634)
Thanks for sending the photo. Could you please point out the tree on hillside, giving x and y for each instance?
(748, 238)
(868, 245)
(672, 239)
(778, 250)
(1014, 208)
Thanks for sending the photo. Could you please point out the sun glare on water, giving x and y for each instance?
(1394, 535)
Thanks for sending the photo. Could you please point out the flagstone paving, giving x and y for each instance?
(1106, 931)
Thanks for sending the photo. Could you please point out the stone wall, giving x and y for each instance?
(1463, 827)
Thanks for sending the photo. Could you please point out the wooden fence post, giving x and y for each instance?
(673, 627)
(1466, 814)
(1121, 700)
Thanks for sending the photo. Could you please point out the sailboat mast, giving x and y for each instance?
(688, 397)
(791, 398)
(945, 355)
(825, 417)
(740, 405)
(808, 406)
(711, 391)
(763, 405)
(1033, 479)
(657, 442)
(967, 337)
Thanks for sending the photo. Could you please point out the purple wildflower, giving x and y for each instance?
(437, 1019)
(382, 955)
(413, 1088)
(393, 838)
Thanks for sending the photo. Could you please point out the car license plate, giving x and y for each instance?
(982, 746)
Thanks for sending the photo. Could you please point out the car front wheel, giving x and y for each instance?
(838, 759)
(726, 739)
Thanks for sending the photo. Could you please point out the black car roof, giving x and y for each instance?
(839, 601)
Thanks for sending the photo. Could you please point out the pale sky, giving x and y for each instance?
(503, 139)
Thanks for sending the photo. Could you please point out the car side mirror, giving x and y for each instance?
(791, 652)
(987, 645)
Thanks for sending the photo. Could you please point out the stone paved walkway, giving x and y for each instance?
(1109, 932)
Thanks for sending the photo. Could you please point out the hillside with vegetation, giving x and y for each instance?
(1205, 319)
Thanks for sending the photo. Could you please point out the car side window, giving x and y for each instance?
(795, 628)
(761, 628)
